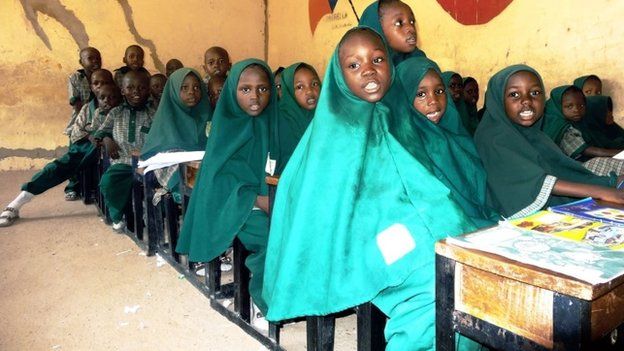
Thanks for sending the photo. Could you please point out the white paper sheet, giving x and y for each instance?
(166, 159)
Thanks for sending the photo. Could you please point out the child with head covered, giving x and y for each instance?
(600, 128)
(179, 123)
(230, 198)
(526, 170)
(395, 21)
(356, 215)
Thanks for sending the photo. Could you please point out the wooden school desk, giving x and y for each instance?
(509, 305)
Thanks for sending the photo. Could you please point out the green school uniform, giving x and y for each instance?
(293, 119)
(177, 126)
(595, 129)
(355, 220)
(454, 158)
(370, 18)
(470, 122)
(231, 177)
(523, 163)
(473, 113)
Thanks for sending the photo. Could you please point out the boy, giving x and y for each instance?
(157, 84)
(133, 58)
(216, 62)
(79, 82)
(215, 86)
(82, 154)
(123, 133)
(172, 65)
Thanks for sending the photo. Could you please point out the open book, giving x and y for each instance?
(589, 209)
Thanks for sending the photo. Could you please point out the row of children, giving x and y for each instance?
(374, 167)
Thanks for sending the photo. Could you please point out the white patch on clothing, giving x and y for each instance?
(270, 165)
(395, 242)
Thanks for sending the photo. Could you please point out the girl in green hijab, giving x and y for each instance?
(454, 84)
(425, 111)
(591, 85)
(395, 21)
(564, 123)
(526, 170)
(230, 195)
(356, 215)
(300, 91)
(179, 123)
(599, 127)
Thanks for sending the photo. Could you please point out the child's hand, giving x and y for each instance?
(93, 140)
(613, 195)
(263, 203)
(111, 148)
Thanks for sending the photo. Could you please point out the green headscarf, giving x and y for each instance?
(231, 175)
(177, 126)
(469, 122)
(518, 159)
(370, 18)
(580, 81)
(347, 182)
(555, 124)
(473, 113)
(453, 155)
(596, 131)
(293, 119)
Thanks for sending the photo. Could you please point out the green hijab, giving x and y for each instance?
(468, 121)
(473, 113)
(580, 81)
(370, 18)
(293, 119)
(231, 175)
(177, 126)
(596, 130)
(349, 189)
(555, 124)
(518, 159)
(453, 155)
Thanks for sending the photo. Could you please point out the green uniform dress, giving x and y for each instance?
(454, 158)
(596, 130)
(469, 121)
(231, 176)
(523, 163)
(292, 120)
(370, 18)
(177, 127)
(355, 220)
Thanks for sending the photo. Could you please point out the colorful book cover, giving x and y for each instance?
(589, 209)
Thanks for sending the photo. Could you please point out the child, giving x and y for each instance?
(80, 81)
(471, 97)
(230, 197)
(353, 226)
(454, 158)
(591, 85)
(564, 123)
(300, 91)
(395, 21)
(157, 84)
(526, 170)
(600, 128)
(179, 124)
(133, 58)
(278, 81)
(172, 65)
(81, 154)
(123, 133)
(453, 81)
(216, 62)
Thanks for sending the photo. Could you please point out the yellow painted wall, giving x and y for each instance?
(33, 90)
(561, 39)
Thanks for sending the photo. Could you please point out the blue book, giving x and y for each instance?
(589, 209)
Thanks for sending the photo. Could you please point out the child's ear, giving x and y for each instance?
(124, 60)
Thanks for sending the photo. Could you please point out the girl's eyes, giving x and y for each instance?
(354, 65)
(378, 59)
(315, 84)
(514, 94)
(299, 87)
(263, 89)
(440, 91)
(245, 90)
(420, 94)
(536, 93)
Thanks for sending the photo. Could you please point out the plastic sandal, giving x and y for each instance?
(8, 216)
(71, 196)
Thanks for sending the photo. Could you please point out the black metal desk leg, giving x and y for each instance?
(571, 323)
(445, 303)
(320, 332)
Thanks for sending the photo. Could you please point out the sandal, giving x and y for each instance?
(71, 196)
(8, 216)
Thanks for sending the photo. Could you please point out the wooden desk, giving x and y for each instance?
(508, 305)
(191, 169)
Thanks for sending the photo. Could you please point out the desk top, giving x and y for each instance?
(526, 273)
(272, 180)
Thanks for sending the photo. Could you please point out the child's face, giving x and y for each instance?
(108, 97)
(592, 86)
(398, 25)
(134, 58)
(157, 84)
(216, 63)
(524, 98)
(430, 97)
(135, 89)
(190, 92)
(90, 60)
(278, 85)
(215, 86)
(573, 105)
(253, 91)
(471, 92)
(172, 66)
(307, 88)
(457, 87)
(100, 79)
(364, 64)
